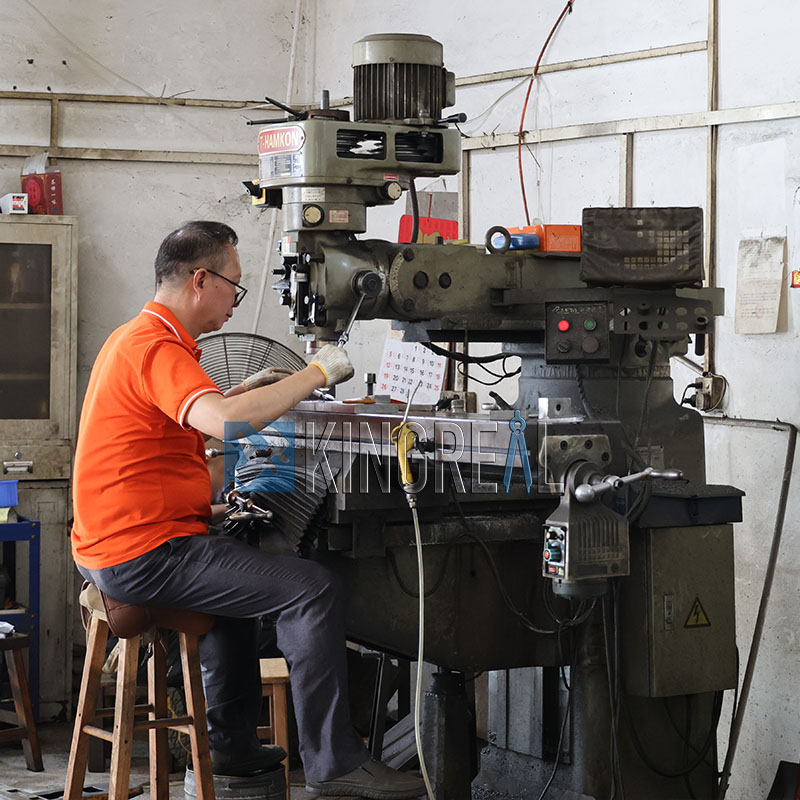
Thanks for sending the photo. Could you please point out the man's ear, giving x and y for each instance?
(199, 277)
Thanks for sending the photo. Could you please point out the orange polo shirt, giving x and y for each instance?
(140, 473)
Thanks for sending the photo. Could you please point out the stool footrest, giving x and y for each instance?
(182, 724)
(98, 733)
(103, 713)
(10, 734)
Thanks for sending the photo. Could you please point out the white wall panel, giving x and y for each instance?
(669, 168)
(759, 58)
(236, 49)
(643, 88)
(486, 37)
(141, 204)
(24, 122)
(569, 177)
(151, 127)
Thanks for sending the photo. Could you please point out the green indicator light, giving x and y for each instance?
(589, 324)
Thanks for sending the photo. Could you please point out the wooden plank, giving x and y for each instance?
(273, 669)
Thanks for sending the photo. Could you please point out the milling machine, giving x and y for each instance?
(572, 531)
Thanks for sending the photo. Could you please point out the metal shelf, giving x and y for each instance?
(26, 620)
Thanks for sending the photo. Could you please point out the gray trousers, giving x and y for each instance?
(238, 584)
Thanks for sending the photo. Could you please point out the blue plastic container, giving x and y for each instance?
(8, 494)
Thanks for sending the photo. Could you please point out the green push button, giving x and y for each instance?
(589, 324)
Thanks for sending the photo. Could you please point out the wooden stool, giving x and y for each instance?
(22, 716)
(127, 622)
(274, 677)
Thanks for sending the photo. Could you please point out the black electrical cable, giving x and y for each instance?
(467, 359)
(640, 503)
(412, 592)
(414, 212)
(693, 385)
(613, 751)
(483, 383)
(682, 734)
(582, 613)
(558, 746)
(506, 373)
(691, 767)
(521, 616)
(651, 368)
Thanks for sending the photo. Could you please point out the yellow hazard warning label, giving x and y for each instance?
(697, 616)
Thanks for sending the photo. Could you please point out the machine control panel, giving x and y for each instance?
(576, 332)
(554, 552)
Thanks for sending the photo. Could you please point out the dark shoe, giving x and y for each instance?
(246, 765)
(373, 780)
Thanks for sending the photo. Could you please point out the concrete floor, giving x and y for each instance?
(55, 738)
(17, 783)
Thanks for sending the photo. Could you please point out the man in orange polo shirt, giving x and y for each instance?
(142, 498)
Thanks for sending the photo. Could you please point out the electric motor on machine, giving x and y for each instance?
(401, 77)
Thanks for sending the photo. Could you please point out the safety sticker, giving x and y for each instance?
(697, 616)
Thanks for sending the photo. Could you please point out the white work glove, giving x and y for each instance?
(265, 377)
(334, 364)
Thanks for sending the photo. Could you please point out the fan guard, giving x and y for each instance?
(229, 358)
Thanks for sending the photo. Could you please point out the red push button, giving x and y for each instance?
(563, 325)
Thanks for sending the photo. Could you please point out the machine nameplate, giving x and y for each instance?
(281, 166)
(312, 194)
(280, 140)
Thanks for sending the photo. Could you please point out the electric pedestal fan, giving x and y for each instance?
(297, 515)
(229, 358)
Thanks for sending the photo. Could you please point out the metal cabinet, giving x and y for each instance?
(38, 418)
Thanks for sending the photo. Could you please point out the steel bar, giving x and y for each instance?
(769, 575)
(697, 119)
(153, 156)
(130, 99)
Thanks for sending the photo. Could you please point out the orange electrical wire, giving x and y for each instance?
(567, 9)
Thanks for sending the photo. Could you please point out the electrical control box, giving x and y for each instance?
(677, 614)
(576, 332)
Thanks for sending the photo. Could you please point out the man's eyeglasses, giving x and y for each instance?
(240, 290)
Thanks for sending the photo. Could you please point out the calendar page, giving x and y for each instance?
(404, 364)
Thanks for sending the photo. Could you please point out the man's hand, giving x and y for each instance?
(334, 364)
(266, 377)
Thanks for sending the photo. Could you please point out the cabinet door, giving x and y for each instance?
(37, 343)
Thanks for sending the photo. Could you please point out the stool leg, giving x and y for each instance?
(24, 710)
(124, 711)
(196, 708)
(87, 705)
(280, 723)
(157, 697)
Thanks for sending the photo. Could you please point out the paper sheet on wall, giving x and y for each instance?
(403, 365)
(759, 280)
